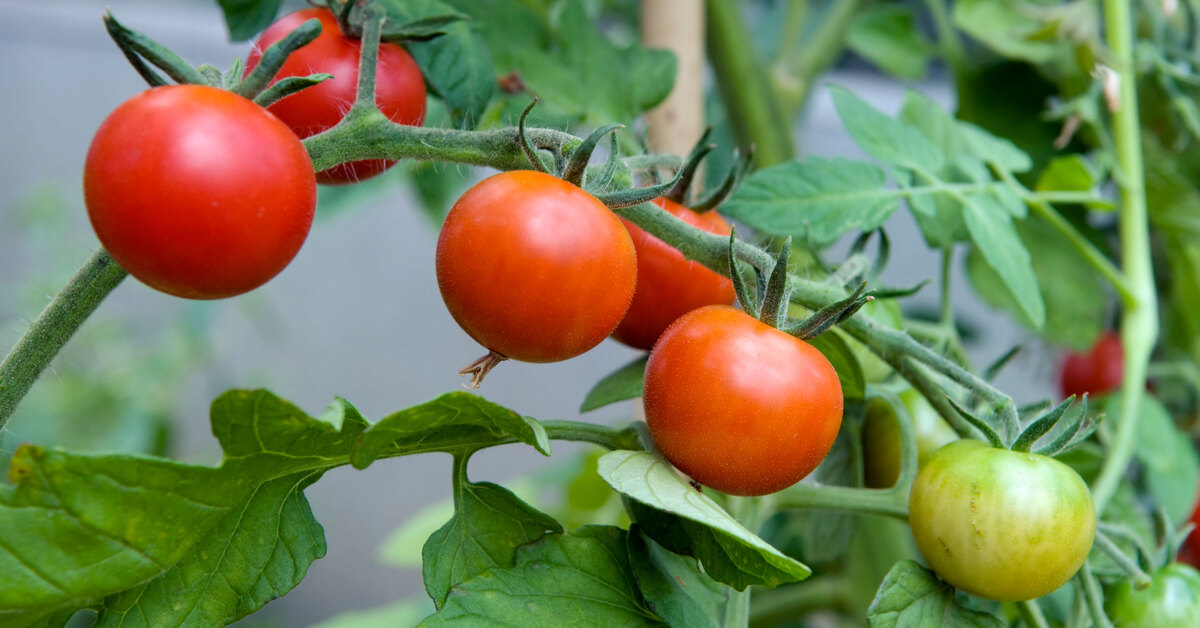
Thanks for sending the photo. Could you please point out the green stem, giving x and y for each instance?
(748, 511)
(604, 436)
(947, 317)
(785, 605)
(750, 103)
(1139, 326)
(1032, 614)
(947, 35)
(1094, 596)
(458, 477)
(56, 324)
(1140, 579)
(892, 502)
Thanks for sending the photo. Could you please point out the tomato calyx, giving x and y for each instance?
(481, 367)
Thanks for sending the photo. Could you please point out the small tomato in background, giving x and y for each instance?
(1171, 600)
(399, 86)
(198, 192)
(534, 268)
(1098, 371)
(668, 284)
(737, 405)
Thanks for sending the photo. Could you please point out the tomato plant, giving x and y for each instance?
(399, 86)
(534, 268)
(1001, 524)
(739, 406)
(668, 284)
(198, 192)
(881, 437)
(1096, 372)
(1172, 599)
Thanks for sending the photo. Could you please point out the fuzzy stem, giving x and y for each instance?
(892, 502)
(56, 324)
(1031, 613)
(578, 431)
(1139, 327)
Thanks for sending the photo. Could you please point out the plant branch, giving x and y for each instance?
(602, 435)
(56, 324)
(1139, 326)
(892, 502)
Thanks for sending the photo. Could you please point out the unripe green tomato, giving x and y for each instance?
(881, 437)
(1001, 524)
(1171, 601)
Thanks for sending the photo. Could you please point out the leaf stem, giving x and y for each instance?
(1031, 613)
(1139, 326)
(1094, 597)
(892, 502)
(602, 435)
(56, 324)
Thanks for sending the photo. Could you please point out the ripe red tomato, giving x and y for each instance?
(1097, 371)
(1001, 524)
(399, 86)
(534, 268)
(738, 405)
(668, 284)
(198, 192)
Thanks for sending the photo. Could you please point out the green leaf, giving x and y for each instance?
(839, 354)
(911, 595)
(1004, 28)
(672, 584)
(620, 385)
(416, 19)
(577, 579)
(886, 36)
(459, 71)
(257, 552)
(405, 613)
(1072, 290)
(1169, 464)
(1069, 173)
(994, 150)
(247, 18)
(996, 239)
(457, 421)
(506, 27)
(686, 521)
(488, 526)
(818, 198)
(884, 138)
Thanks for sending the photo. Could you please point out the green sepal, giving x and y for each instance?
(1072, 432)
(990, 434)
(718, 196)
(637, 196)
(535, 160)
(274, 57)
(994, 368)
(775, 300)
(287, 86)
(678, 193)
(830, 315)
(138, 49)
(603, 179)
(577, 164)
(748, 302)
(1041, 427)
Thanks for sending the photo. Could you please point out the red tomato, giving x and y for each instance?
(399, 86)
(198, 192)
(670, 285)
(1097, 371)
(737, 405)
(534, 268)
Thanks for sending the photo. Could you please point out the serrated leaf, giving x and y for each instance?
(620, 385)
(911, 595)
(577, 579)
(247, 18)
(488, 526)
(459, 71)
(672, 584)
(453, 422)
(998, 151)
(257, 552)
(1070, 287)
(886, 36)
(1169, 462)
(689, 522)
(996, 239)
(416, 19)
(818, 198)
(839, 354)
(883, 137)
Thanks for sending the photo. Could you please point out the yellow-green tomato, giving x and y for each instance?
(1171, 601)
(1000, 524)
(881, 437)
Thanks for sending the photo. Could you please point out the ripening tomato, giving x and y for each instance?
(534, 268)
(738, 405)
(1100, 370)
(198, 192)
(1171, 600)
(399, 86)
(668, 284)
(1001, 524)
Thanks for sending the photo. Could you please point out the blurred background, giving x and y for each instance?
(357, 314)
